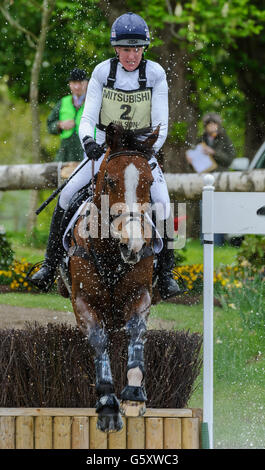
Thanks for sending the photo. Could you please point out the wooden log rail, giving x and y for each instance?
(75, 428)
(184, 186)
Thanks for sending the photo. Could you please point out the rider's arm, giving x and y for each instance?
(90, 115)
(160, 105)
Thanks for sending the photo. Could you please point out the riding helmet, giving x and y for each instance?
(130, 30)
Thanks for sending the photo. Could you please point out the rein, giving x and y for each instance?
(130, 153)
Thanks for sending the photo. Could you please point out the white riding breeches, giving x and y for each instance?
(159, 191)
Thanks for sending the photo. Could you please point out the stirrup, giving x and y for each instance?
(41, 284)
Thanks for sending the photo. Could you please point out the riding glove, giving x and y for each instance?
(92, 149)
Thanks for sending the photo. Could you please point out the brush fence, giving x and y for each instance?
(75, 428)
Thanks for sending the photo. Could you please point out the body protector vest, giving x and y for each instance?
(130, 109)
(68, 111)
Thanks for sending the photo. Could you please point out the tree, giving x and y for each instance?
(34, 23)
(38, 44)
(211, 51)
(227, 37)
(77, 36)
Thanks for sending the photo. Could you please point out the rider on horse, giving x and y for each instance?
(133, 92)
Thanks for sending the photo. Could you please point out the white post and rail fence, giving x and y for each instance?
(183, 185)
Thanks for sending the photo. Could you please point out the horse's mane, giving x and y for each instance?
(119, 139)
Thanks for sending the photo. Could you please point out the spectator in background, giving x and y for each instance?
(216, 142)
(219, 147)
(65, 118)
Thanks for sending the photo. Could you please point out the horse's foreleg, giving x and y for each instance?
(107, 406)
(133, 395)
(99, 341)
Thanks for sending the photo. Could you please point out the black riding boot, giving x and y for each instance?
(168, 286)
(44, 278)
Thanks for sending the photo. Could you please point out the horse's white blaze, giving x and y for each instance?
(133, 226)
(131, 176)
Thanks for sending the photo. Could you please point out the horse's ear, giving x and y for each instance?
(113, 136)
(151, 139)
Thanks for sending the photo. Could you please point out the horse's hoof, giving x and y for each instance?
(109, 417)
(133, 401)
(132, 408)
(109, 423)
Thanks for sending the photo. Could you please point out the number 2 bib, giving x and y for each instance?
(130, 109)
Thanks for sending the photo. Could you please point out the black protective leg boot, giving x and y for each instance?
(44, 278)
(168, 286)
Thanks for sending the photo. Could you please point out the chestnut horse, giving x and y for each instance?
(111, 273)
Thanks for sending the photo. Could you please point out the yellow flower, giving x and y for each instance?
(232, 306)
(238, 284)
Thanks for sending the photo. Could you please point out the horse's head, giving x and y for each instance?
(127, 181)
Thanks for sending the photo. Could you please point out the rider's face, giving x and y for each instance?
(129, 57)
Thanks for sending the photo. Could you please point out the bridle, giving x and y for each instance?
(98, 258)
(131, 215)
(130, 153)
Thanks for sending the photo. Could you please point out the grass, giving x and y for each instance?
(49, 301)
(31, 254)
(222, 254)
(239, 379)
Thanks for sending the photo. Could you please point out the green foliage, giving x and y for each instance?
(16, 133)
(215, 34)
(223, 41)
(15, 147)
(78, 36)
(252, 251)
(6, 252)
(179, 256)
(178, 132)
(245, 293)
